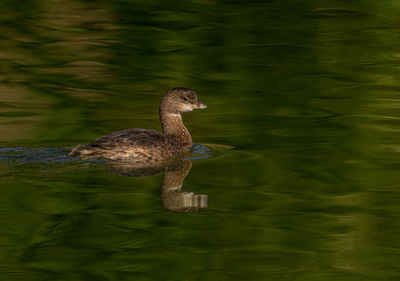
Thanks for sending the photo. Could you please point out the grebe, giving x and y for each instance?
(149, 146)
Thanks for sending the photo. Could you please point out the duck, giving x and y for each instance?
(146, 146)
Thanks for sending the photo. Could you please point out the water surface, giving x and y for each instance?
(295, 174)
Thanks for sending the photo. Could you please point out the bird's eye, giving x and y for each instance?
(185, 99)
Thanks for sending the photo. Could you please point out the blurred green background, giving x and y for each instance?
(307, 93)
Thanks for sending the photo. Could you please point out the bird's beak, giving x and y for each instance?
(201, 105)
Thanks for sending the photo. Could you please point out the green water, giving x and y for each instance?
(299, 177)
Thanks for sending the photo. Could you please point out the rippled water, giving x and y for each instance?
(294, 175)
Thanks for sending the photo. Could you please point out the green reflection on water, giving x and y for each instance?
(307, 93)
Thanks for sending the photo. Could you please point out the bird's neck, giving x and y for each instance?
(172, 125)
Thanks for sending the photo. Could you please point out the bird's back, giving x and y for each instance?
(134, 145)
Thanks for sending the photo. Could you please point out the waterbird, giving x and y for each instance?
(146, 146)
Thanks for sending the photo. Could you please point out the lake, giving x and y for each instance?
(294, 173)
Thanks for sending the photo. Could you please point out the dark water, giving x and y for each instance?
(296, 175)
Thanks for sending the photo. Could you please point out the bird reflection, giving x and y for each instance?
(174, 197)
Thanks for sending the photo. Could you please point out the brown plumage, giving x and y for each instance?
(144, 145)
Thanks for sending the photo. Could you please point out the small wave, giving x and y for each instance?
(200, 151)
(34, 155)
